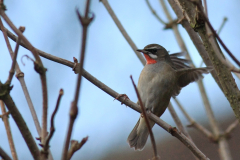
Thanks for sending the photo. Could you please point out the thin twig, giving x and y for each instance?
(216, 35)
(14, 60)
(222, 25)
(177, 120)
(123, 31)
(231, 127)
(193, 123)
(154, 13)
(85, 21)
(38, 66)
(8, 130)
(52, 128)
(4, 155)
(179, 123)
(20, 75)
(156, 156)
(205, 7)
(75, 146)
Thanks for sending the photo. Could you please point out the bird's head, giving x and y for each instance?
(153, 53)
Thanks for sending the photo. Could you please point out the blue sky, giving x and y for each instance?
(52, 26)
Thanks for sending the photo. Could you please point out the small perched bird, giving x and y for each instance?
(162, 77)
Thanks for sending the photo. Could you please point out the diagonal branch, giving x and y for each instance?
(154, 13)
(143, 112)
(14, 61)
(38, 66)
(4, 155)
(75, 146)
(123, 31)
(215, 34)
(8, 130)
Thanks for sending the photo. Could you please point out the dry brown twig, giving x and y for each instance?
(38, 66)
(75, 146)
(20, 77)
(219, 40)
(123, 31)
(231, 127)
(4, 117)
(4, 155)
(143, 109)
(85, 21)
(154, 13)
(52, 128)
(193, 123)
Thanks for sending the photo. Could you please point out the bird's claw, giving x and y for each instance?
(122, 95)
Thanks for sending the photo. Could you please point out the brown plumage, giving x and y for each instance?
(162, 77)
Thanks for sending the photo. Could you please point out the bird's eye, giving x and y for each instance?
(153, 51)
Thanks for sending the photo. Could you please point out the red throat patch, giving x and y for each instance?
(149, 60)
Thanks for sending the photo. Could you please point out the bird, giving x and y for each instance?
(162, 77)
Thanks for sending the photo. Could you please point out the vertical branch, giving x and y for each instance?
(85, 21)
(8, 130)
(38, 66)
(20, 77)
(14, 60)
(123, 31)
(52, 128)
(156, 156)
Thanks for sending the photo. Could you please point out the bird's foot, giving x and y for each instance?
(122, 95)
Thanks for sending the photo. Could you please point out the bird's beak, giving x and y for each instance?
(142, 50)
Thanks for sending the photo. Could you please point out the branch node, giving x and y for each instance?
(120, 96)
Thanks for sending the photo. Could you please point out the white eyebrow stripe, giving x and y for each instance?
(152, 56)
(153, 47)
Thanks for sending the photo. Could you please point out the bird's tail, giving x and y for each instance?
(138, 137)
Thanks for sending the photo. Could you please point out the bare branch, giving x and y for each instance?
(123, 31)
(216, 35)
(222, 25)
(231, 127)
(85, 21)
(38, 66)
(8, 130)
(4, 155)
(156, 156)
(193, 122)
(75, 146)
(154, 13)
(14, 61)
(20, 77)
(205, 7)
(52, 128)
(17, 117)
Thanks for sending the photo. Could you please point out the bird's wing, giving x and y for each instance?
(188, 75)
(179, 63)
